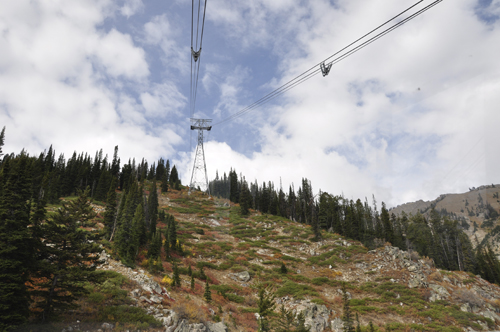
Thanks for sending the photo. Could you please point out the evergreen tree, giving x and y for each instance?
(176, 278)
(285, 320)
(358, 326)
(301, 323)
(192, 282)
(172, 232)
(190, 272)
(347, 315)
(371, 328)
(265, 306)
(155, 246)
(174, 179)
(164, 182)
(153, 208)
(388, 231)
(208, 294)
(203, 276)
(2, 140)
(283, 268)
(110, 212)
(16, 247)
(70, 253)
(233, 179)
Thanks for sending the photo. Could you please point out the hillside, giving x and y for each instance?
(478, 210)
(389, 287)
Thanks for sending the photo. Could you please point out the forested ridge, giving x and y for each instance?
(49, 247)
(438, 237)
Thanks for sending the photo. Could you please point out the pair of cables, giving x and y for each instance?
(197, 28)
(324, 66)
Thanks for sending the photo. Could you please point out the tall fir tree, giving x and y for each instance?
(208, 294)
(265, 308)
(153, 208)
(71, 253)
(16, 247)
(346, 315)
(110, 212)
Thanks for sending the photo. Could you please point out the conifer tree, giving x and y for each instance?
(347, 315)
(358, 326)
(164, 182)
(301, 323)
(155, 246)
(192, 282)
(283, 268)
(208, 294)
(110, 212)
(190, 271)
(371, 328)
(71, 253)
(153, 208)
(176, 278)
(285, 320)
(203, 276)
(265, 307)
(16, 249)
(2, 140)
(172, 232)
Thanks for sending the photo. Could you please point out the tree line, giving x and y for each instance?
(438, 237)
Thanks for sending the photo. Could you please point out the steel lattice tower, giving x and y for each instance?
(199, 157)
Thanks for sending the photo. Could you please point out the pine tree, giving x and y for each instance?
(2, 140)
(203, 276)
(190, 271)
(176, 278)
(347, 315)
(71, 253)
(164, 183)
(155, 246)
(208, 294)
(153, 208)
(301, 323)
(265, 306)
(283, 268)
(358, 326)
(285, 320)
(371, 328)
(110, 212)
(172, 232)
(16, 247)
(192, 282)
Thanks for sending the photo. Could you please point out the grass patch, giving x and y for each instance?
(296, 290)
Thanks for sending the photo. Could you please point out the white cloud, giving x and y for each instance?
(164, 100)
(160, 31)
(131, 7)
(65, 82)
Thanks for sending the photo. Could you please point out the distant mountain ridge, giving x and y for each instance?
(478, 211)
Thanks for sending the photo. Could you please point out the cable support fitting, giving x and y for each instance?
(325, 69)
(195, 54)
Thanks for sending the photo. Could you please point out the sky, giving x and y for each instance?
(411, 116)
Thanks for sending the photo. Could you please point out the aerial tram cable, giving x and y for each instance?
(196, 47)
(325, 68)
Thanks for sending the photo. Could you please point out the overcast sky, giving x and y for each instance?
(411, 116)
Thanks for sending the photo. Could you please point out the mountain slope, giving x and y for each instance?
(389, 287)
(478, 211)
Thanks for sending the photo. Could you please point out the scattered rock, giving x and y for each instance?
(337, 325)
(241, 276)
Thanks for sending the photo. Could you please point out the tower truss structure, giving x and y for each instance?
(200, 166)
